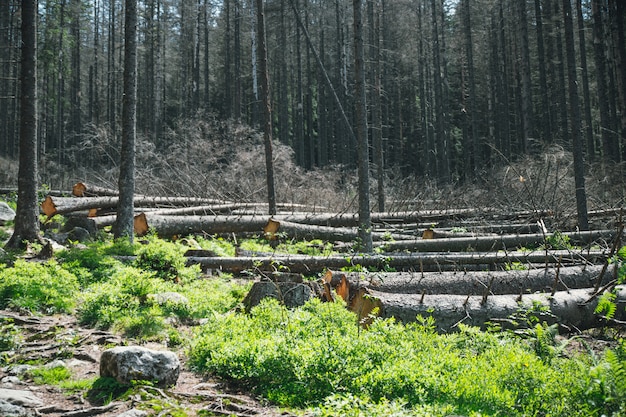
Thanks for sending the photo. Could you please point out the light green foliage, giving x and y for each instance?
(10, 337)
(38, 287)
(49, 376)
(348, 405)
(608, 382)
(96, 263)
(124, 302)
(314, 247)
(301, 357)
(219, 245)
(166, 260)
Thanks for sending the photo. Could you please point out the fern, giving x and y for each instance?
(606, 305)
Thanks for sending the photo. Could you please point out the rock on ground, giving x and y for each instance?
(135, 363)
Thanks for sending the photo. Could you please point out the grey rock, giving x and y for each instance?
(10, 380)
(20, 397)
(19, 369)
(168, 297)
(79, 234)
(134, 363)
(7, 214)
(10, 410)
(133, 413)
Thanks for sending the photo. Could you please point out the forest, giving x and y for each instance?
(453, 88)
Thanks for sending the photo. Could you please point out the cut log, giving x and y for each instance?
(476, 282)
(61, 205)
(487, 243)
(275, 227)
(571, 309)
(416, 262)
(80, 189)
(291, 294)
(167, 226)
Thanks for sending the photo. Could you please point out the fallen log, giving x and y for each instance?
(415, 261)
(487, 243)
(573, 310)
(81, 189)
(61, 205)
(300, 231)
(476, 282)
(167, 226)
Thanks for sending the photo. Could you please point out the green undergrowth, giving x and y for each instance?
(316, 356)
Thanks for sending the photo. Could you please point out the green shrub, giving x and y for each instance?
(301, 357)
(96, 262)
(49, 375)
(166, 260)
(38, 287)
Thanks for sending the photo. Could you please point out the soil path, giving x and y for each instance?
(51, 338)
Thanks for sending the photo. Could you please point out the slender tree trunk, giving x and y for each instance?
(560, 67)
(544, 119)
(126, 184)
(577, 142)
(365, 224)
(237, 61)
(585, 78)
(267, 106)
(609, 141)
(526, 93)
(619, 38)
(26, 227)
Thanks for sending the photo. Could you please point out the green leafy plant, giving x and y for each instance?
(49, 375)
(10, 335)
(166, 260)
(38, 287)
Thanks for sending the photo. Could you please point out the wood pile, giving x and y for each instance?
(461, 265)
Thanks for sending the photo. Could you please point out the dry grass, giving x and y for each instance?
(207, 157)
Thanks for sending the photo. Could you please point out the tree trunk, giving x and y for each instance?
(526, 93)
(478, 282)
(574, 102)
(26, 226)
(410, 262)
(267, 106)
(365, 224)
(125, 207)
(488, 243)
(545, 128)
(589, 140)
(573, 310)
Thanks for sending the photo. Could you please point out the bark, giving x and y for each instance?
(479, 282)
(585, 79)
(61, 205)
(573, 310)
(167, 226)
(484, 243)
(410, 262)
(267, 107)
(126, 183)
(301, 231)
(291, 294)
(26, 226)
(575, 116)
(80, 189)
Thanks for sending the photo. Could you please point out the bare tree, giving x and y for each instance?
(267, 106)
(26, 228)
(365, 222)
(125, 208)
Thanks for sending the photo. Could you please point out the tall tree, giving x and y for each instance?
(574, 106)
(126, 184)
(365, 222)
(589, 140)
(524, 68)
(544, 115)
(267, 105)
(26, 227)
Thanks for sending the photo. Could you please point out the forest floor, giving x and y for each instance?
(50, 338)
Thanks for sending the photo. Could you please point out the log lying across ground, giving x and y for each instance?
(416, 262)
(573, 310)
(503, 242)
(478, 282)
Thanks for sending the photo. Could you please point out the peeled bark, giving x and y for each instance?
(573, 310)
(309, 232)
(81, 189)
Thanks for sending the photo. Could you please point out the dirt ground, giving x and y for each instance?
(60, 337)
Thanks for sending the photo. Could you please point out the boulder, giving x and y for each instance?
(7, 214)
(135, 363)
(20, 398)
(10, 410)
